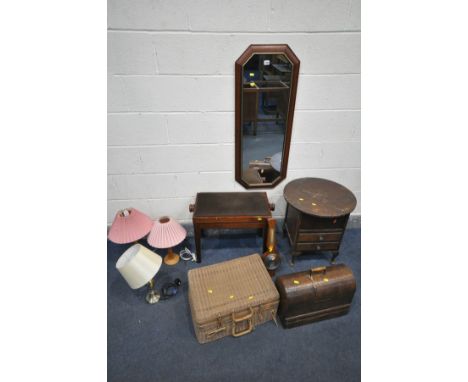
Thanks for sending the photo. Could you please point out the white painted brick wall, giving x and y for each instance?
(195, 53)
(171, 96)
(235, 15)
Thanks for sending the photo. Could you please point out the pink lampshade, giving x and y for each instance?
(129, 225)
(166, 233)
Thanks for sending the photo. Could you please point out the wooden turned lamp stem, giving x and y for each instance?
(167, 233)
(171, 258)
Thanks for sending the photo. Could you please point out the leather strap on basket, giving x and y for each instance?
(236, 320)
(220, 328)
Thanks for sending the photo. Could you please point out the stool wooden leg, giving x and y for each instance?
(198, 232)
(265, 233)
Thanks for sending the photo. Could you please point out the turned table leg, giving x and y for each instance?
(285, 219)
(284, 231)
(293, 255)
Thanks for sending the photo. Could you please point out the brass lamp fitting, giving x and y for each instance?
(152, 296)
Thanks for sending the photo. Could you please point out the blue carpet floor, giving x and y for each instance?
(157, 342)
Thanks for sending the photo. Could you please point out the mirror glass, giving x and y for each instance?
(266, 88)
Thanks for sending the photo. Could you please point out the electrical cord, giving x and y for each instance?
(170, 289)
(187, 255)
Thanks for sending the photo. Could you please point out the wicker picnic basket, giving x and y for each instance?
(231, 298)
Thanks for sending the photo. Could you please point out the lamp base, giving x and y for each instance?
(152, 297)
(171, 258)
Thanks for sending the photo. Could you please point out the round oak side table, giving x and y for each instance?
(316, 215)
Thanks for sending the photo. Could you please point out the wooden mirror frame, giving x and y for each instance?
(241, 61)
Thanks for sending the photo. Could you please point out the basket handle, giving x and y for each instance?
(243, 318)
(236, 320)
(244, 332)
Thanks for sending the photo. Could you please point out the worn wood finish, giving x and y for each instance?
(316, 215)
(314, 295)
(320, 197)
(319, 237)
(229, 210)
(333, 246)
(241, 61)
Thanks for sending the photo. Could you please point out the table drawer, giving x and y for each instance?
(318, 247)
(318, 237)
(313, 222)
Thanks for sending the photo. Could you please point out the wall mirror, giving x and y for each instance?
(266, 83)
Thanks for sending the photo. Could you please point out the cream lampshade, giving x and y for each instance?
(129, 226)
(167, 233)
(138, 266)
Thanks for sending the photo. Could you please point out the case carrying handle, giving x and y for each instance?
(322, 270)
(236, 320)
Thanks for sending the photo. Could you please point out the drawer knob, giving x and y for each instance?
(321, 238)
(318, 247)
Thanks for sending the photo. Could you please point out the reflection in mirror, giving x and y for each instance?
(265, 99)
(266, 84)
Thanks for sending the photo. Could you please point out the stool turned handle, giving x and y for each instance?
(272, 206)
(191, 207)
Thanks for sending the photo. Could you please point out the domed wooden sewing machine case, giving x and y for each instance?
(315, 295)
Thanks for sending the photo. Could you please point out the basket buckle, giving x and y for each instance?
(219, 329)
